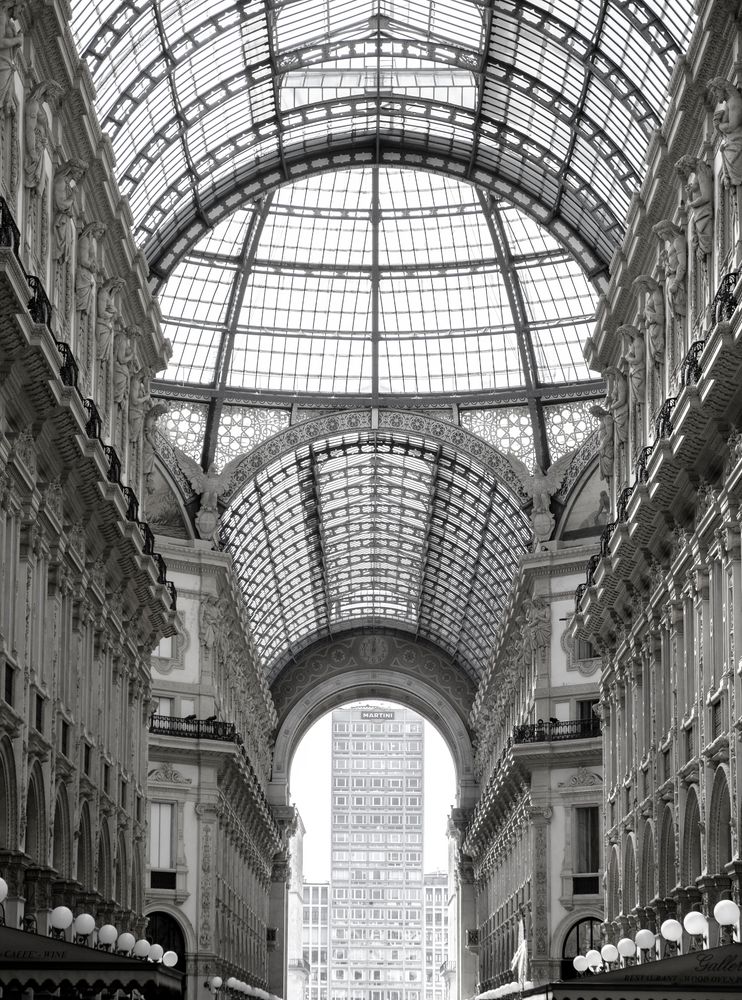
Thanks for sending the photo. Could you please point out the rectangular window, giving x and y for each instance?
(161, 822)
(163, 706)
(9, 684)
(587, 850)
(65, 738)
(39, 713)
(86, 757)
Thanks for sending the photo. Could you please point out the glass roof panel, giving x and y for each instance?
(442, 321)
(365, 529)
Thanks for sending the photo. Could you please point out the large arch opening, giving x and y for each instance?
(374, 785)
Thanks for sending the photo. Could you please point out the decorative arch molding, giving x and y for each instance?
(8, 797)
(36, 839)
(629, 875)
(122, 885)
(613, 893)
(590, 245)
(105, 863)
(394, 422)
(691, 857)
(181, 922)
(62, 839)
(667, 868)
(719, 828)
(568, 923)
(85, 865)
(648, 866)
(413, 674)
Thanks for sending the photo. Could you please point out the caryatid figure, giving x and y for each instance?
(698, 179)
(11, 39)
(728, 123)
(653, 317)
(636, 358)
(675, 262)
(86, 271)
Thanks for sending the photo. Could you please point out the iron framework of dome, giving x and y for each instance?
(378, 204)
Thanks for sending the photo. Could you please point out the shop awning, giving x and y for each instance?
(715, 974)
(46, 963)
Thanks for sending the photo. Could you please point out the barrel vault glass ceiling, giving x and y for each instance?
(378, 203)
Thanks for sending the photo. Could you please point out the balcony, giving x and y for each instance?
(195, 729)
(552, 731)
(576, 742)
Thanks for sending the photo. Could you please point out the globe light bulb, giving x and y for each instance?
(696, 924)
(726, 912)
(626, 948)
(84, 924)
(644, 939)
(580, 963)
(169, 959)
(141, 948)
(593, 958)
(107, 934)
(609, 953)
(125, 942)
(155, 953)
(672, 930)
(3, 890)
(61, 918)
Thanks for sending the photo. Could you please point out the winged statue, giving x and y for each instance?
(210, 486)
(541, 486)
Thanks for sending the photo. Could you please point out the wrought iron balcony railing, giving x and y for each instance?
(195, 729)
(553, 730)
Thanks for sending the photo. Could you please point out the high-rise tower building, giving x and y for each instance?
(376, 905)
(435, 919)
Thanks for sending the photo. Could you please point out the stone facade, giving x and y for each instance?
(661, 599)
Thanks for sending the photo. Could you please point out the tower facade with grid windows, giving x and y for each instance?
(376, 905)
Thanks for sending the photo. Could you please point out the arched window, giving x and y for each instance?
(105, 880)
(581, 937)
(647, 888)
(85, 850)
(8, 797)
(667, 874)
(719, 826)
(62, 836)
(614, 899)
(36, 821)
(163, 929)
(691, 853)
(629, 877)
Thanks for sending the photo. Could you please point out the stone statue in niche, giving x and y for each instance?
(674, 262)
(86, 273)
(635, 357)
(11, 39)
(106, 314)
(653, 317)
(139, 400)
(606, 457)
(149, 448)
(698, 179)
(36, 130)
(123, 358)
(618, 393)
(66, 179)
(728, 123)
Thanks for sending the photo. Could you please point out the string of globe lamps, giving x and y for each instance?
(644, 946)
(107, 937)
